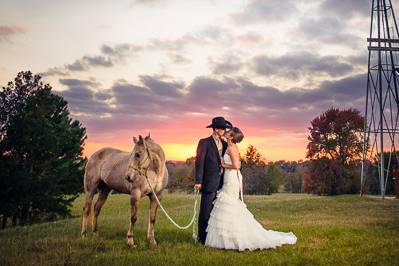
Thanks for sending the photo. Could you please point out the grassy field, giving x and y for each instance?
(341, 230)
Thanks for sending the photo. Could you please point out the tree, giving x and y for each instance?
(293, 182)
(335, 145)
(182, 176)
(336, 135)
(41, 152)
(372, 184)
(258, 180)
(252, 157)
(272, 179)
(322, 176)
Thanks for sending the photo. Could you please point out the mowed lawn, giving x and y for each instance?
(340, 230)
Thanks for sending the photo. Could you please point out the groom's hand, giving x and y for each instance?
(198, 186)
(222, 162)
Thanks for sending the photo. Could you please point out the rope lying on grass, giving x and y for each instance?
(193, 220)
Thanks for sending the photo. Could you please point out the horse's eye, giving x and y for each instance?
(137, 155)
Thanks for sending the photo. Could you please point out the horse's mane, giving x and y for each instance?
(156, 148)
(153, 147)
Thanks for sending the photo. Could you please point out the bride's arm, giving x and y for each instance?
(235, 158)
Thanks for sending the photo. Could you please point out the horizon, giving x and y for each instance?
(168, 67)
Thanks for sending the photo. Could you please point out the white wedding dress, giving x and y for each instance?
(232, 226)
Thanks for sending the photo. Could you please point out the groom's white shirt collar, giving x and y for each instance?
(216, 138)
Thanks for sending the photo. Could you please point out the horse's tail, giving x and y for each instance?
(88, 176)
(92, 171)
(85, 176)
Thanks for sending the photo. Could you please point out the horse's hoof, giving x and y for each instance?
(153, 243)
(95, 234)
(84, 235)
(133, 246)
(130, 243)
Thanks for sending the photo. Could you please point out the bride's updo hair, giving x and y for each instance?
(236, 135)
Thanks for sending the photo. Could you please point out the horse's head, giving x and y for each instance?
(140, 158)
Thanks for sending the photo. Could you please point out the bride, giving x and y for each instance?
(231, 225)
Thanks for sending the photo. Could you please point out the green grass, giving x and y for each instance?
(340, 230)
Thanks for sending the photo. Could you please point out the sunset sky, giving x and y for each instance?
(167, 67)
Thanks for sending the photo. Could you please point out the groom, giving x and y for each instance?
(209, 171)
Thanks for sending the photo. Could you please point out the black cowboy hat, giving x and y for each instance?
(220, 122)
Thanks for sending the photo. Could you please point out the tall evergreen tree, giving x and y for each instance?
(252, 157)
(40, 152)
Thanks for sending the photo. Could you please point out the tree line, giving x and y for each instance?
(259, 177)
(332, 165)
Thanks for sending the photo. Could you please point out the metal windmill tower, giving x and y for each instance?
(382, 99)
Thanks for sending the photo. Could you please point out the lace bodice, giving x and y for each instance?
(227, 158)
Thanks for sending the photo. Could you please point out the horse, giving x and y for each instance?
(111, 169)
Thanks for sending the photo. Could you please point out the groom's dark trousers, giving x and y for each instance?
(208, 172)
(205, 210)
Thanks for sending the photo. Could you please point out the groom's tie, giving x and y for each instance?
(220, 148)
(218, 145)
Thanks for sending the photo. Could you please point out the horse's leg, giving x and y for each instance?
(86, 211)
(151, 219)
(102, 197)
(134, 205)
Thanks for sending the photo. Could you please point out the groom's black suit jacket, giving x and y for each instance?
(208, 165)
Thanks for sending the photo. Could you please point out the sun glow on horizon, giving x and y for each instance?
(181, 152)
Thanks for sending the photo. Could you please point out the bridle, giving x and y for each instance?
(139, 169)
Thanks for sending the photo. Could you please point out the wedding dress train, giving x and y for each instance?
(232, 226)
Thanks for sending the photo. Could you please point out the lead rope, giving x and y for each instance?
(193, 220)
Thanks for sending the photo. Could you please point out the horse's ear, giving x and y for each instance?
(148, 136)
(135, 140)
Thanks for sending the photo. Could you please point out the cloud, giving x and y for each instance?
(328, 30)
(132, 98)
(54, 71)
(159, 87)
(348, 8)
(6, 31)
(228, 64)
(86, 62)
(206, 36)
(359, 59)
(120, 50)
(260, 11)
(157, 102)
(171, 45)
(179, 59)
(251, 38)
(296, 64)
(82, 99)
(214, 33)
(109, 56)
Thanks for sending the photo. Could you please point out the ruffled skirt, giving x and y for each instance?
(232, 226)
